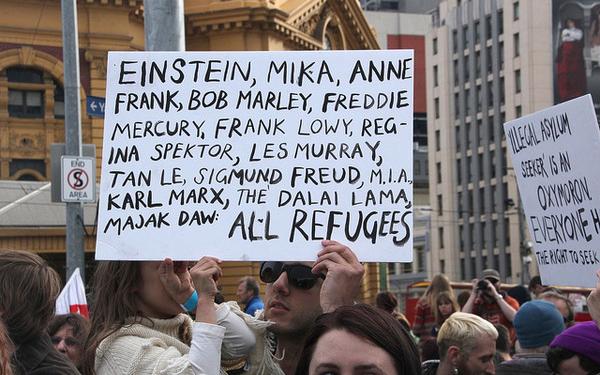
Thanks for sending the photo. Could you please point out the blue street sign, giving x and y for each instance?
(95, 106)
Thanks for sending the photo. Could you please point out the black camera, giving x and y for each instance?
(482, 285)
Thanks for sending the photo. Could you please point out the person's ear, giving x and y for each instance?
(453, 355)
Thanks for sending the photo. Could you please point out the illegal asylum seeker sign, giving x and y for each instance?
(257, 156)
(555, 154)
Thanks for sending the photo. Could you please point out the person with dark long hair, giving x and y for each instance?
(358, 338)
(140, 324)
(28, 291)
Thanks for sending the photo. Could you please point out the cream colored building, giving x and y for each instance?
(488, 61)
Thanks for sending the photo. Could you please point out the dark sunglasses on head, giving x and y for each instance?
(299, 275)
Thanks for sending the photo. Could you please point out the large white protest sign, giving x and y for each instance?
(555, 154)
(257, 155)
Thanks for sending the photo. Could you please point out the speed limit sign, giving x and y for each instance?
(78, 179)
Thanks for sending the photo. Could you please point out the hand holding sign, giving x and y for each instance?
(205, 274)
(343, 275)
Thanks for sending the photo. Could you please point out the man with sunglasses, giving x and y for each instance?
(297, 293)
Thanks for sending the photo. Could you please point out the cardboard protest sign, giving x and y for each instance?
(555, 154)
(257, 155)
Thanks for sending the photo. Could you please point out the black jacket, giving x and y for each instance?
(38, 357)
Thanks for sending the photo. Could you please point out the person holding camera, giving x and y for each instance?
(488, 301)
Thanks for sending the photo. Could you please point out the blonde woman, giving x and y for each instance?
(425, 318)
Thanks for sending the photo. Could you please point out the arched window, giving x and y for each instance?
(28, 89)
(25, 92)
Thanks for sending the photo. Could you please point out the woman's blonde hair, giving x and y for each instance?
(439, 283)
(445, 297)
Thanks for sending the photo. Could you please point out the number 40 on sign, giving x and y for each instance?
(78, 179)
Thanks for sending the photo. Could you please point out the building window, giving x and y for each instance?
(463, 275)
(478, 64)
(488, 52)
(500, 22)
(440, 205)
(459, 171)
(436, 104)
(59, 101)
(492, 130)
(438, 142)
(518, 111)
(468, 101)
(391, 268)
(479, 98)
(442, 266)
(25, 92)
(466, 39)
(484, 243)
(457, 137)
(441, 237)
(459, 203)
(456, 106)
(515, 11)
(477, 33)
(507, 232)
(407, 268)
(417, 167)
(501, 54)
(469, 138)
(435, 46)
(438, 167)
(494, 235)
(502, 96)
(516, 42)
(493, 171)
(470, 173)
(22, 103)
(455, 72)
(488, 27)
(517, 81)
(435, 76)
(454, 41)
(420, 259)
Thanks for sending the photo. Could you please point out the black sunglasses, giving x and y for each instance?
(299, 275)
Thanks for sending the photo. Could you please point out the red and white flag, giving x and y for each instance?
(72, 298)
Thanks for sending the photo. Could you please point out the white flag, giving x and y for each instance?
(72, 298)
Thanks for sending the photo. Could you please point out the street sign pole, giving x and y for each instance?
(75, 251)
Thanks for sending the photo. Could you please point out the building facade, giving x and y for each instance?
(32, 95)
(488, 61)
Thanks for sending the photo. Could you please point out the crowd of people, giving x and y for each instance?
(162, 318)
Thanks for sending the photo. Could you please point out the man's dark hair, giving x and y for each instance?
(503, 341)
(535, 281)
(555, 356)
(371, 324)
(386, 301)
(251, 284)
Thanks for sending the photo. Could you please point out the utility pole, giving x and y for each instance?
(164, 26)
(75, 251)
